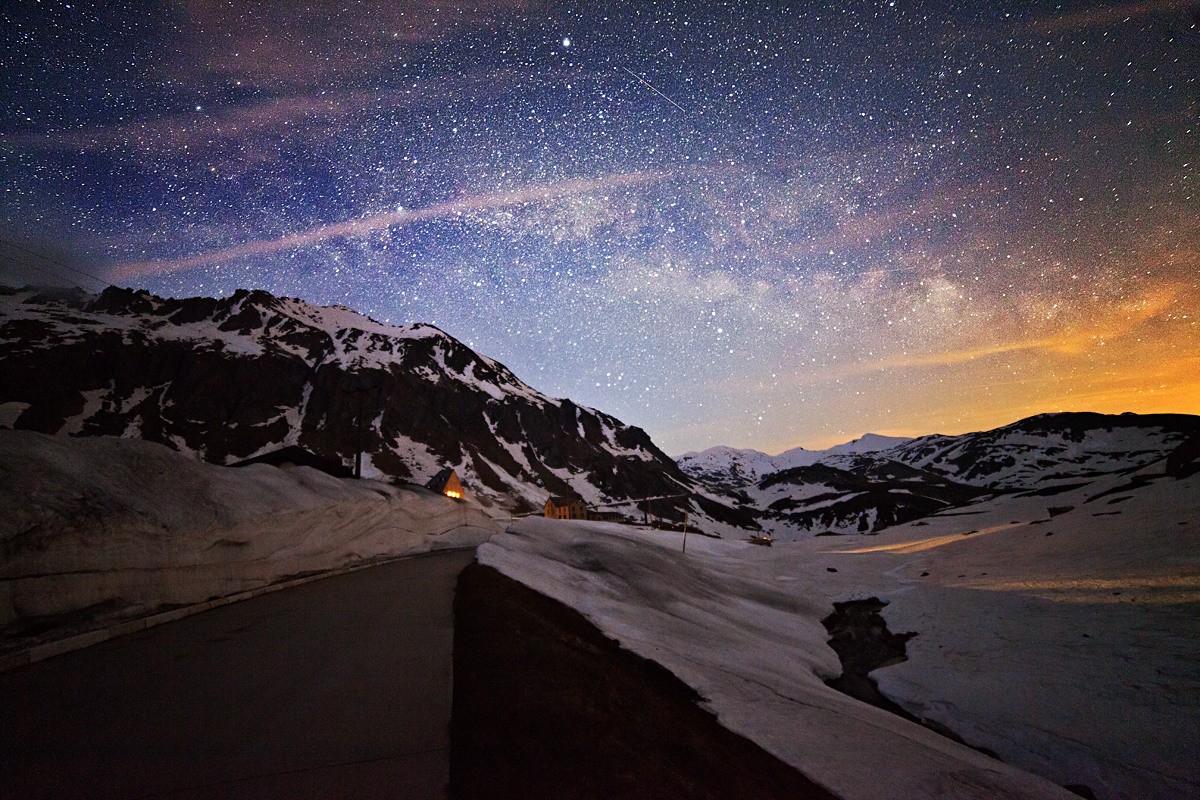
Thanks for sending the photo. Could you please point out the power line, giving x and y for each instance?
(25, 265)
(56, 262)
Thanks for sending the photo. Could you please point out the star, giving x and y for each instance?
(812, 212)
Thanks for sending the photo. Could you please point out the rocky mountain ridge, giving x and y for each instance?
(842, 490)
(232, 378)
(734, 468)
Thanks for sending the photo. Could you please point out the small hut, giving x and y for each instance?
(565, 508)
(446, 482)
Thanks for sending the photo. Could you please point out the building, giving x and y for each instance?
(566, 508)
(446, 482)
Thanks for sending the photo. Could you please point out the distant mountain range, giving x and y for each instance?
(876, 481)
(730, 468)
(234, 378)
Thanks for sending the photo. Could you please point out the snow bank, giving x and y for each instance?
(740, 624)
(1073, 655)
(113, 527)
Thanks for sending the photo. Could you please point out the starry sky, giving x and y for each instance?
(754, 224)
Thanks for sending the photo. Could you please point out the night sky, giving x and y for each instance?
(761, 225)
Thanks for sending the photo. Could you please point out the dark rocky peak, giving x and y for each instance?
(245, 311)
(1075, 425)
(425, 327)
(70, 296)
(193, 309)
(817, 474)
(125, 302)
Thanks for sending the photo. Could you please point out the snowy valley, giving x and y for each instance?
(1048, 571)
(1059, 632)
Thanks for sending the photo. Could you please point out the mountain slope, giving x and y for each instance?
(1050, 449)
(874, 482)
(95, 530)
(228, 379)
(731, 469)
(880, 493)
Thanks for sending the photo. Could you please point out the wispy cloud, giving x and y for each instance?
(1118, 321)
(1109, 15)
(366, 226)
(171, 132)
(281, 44)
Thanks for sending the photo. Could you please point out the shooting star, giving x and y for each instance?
(646, 83)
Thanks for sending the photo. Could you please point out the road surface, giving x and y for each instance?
(335, 688)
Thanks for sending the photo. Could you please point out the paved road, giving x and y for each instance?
(336, 688)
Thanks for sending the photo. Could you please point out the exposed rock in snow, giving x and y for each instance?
(821, 499)
(874, 482)
(1049, 449)
(234, 378)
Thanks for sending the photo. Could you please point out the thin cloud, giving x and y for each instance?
(1120, 321)
(1072, 342)
(365, 226)
(170, 133)
(1110, 15)
(279, 43)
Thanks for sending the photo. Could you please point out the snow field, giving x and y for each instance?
(129, 526)
(1001, 610)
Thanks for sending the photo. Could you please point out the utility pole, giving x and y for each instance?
(360, 384)
(359, 445)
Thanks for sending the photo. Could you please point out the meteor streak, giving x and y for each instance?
(646, 83)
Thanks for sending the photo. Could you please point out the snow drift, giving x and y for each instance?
(104, 528)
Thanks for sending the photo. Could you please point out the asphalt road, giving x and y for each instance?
(335, 688)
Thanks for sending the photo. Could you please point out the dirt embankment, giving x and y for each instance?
(547, 706)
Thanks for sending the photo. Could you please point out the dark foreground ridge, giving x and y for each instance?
(547, 706)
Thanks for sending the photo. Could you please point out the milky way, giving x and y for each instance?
(747, 224)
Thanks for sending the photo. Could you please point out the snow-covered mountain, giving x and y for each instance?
(231, 379)
(873, 482)
(727, 467)
(821, 499)
(867, 443)
(731, 468)
(1050, 450)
